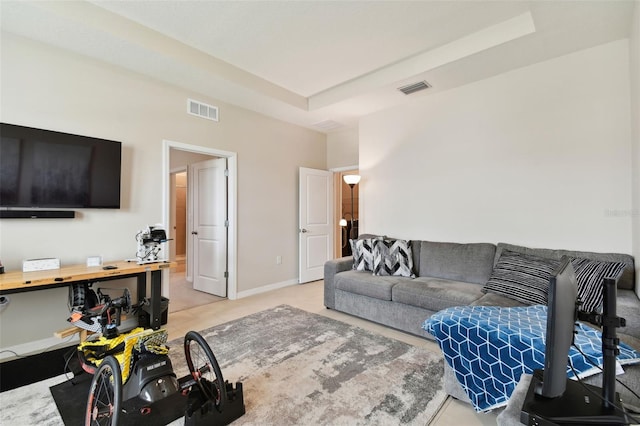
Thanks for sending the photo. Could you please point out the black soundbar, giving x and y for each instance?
(37, 214)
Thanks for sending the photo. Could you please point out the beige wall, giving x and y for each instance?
(342, 149)
(538, 156)
(51, 89)
(634, 55)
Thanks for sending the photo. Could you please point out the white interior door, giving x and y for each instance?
(316, 222)
(209, 182)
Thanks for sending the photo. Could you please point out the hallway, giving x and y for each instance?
(181, 293)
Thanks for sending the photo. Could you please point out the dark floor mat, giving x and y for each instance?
(71, 399)
(24, 371)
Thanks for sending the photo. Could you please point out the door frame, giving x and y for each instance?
(232, 231)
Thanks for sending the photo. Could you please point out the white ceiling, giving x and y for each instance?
(308, 62)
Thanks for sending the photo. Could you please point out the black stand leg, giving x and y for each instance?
(151, 314)
(156, 299)
(610, 322)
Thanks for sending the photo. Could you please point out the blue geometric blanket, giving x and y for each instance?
(489, 348)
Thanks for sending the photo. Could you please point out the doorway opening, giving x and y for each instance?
(181, 185)
(347, 213)
(179, 206)
(181, 284)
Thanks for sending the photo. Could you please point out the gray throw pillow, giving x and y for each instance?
(362, 250)
(522, 277)
(392, 257)
(590, 275)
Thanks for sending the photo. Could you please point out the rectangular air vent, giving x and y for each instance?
(414, 87)
(327, 125)
(203, 110)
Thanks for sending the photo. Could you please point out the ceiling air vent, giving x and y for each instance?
(203, 110)
(414, 87)
(327, 125)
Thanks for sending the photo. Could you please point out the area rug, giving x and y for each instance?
(299, 368)
(302, 368)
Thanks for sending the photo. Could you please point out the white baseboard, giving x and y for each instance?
(37, 346)
(265, 288)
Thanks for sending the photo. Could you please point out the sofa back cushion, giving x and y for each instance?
(626, 280)
(471, 263)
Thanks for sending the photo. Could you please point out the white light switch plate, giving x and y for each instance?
(94, 261)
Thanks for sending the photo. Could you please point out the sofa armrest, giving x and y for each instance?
(331, 268)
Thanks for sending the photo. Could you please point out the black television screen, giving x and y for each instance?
(47, 169)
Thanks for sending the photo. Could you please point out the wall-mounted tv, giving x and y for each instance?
(47, 169)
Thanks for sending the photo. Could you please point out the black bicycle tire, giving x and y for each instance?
(193, 336)
(98, 383)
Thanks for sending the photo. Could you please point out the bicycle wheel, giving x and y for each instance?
(204, 368)
(105, 394)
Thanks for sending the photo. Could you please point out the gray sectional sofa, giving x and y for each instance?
(447, 275)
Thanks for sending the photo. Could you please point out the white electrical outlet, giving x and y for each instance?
(278, 260)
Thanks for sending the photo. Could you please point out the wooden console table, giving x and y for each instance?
(20, 282)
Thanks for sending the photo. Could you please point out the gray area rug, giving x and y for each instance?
(306, 369)
(299, 368)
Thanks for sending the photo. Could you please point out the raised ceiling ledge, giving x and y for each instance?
(484, 39)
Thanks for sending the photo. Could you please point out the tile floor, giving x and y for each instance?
(309, 297)
(183, 296)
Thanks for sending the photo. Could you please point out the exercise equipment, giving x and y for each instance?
(134, 383)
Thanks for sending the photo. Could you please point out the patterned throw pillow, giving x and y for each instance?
(522, 277)
(392, 257)
(590, 275)
(362, 250)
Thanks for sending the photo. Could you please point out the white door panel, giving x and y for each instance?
(316, 251)
(210, 230)
(316, 222)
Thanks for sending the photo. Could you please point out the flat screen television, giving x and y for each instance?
(561, 318)
(552, 398)
(48, 169)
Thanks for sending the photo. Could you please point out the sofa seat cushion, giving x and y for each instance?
(435, 294)
(628, 307)
(365, 284)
